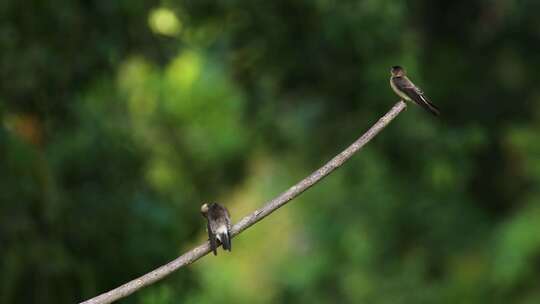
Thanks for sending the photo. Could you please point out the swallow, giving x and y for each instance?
(405, 89)
(218, 226)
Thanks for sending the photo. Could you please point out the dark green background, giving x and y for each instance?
(119, 118)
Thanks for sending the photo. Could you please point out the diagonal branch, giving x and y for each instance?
(202, 250)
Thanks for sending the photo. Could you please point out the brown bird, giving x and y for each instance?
(405, 89)
(218, 226)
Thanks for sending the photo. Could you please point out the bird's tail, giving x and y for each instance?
(425, 103)
(226, 241)
(432, 108)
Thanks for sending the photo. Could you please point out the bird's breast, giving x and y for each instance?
(398, 91)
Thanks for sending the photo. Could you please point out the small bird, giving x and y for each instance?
(408, 91)
(219, 225)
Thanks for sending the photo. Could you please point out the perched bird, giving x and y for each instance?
(219, 225)
(408, 91)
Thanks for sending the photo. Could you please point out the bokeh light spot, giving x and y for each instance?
(164, 21)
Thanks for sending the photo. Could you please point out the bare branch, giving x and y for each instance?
(202, 250)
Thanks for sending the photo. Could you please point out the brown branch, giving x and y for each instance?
(202, 250)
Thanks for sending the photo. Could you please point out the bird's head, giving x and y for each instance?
(397, 71)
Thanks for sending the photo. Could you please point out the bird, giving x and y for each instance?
(218, 226)
(405, 89)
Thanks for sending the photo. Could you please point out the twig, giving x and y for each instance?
(202, 250)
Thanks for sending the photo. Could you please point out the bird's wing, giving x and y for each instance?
(212, 238)
(415, 93)
(228, 219)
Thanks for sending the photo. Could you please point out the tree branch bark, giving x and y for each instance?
(271, 206)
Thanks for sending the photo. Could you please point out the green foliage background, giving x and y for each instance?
(118, 118)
